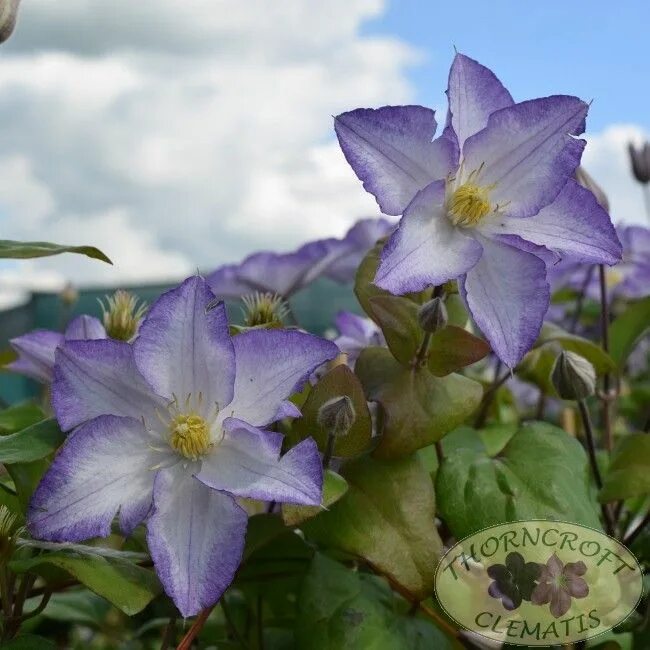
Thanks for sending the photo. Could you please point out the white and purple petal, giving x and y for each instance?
(247, 463)
(392, 151)
(182, 349)
(474, 93)
(100, 377)
(528, 152)
(102, 469)
(426, 250)
(36, 353)
(574, 225)
(355, 245)
(84, 328)
(271, 366)
(196, 539)
(508, 296)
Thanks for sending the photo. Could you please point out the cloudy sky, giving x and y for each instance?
(182, 134)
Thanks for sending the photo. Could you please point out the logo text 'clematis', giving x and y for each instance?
(490, 202)
(167, 430)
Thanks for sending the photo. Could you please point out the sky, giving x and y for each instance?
(183, 134)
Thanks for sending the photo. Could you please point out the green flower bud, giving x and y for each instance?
(337, 415)
(433, 315)
(8, 12)
(264, 309)
(573, 377)
(123, 313)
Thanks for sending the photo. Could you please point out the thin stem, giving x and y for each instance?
(170, 633)
(440, 454)
(329, 450)
(580, 301)
(606, 399)
(591, 451)
(421, 354)
(41, 606)
(489, 395)
(260, 624)
(638, 530)
(231, 624)
(195, 630)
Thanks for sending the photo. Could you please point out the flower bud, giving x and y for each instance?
(337, 415)
(69, 295)
(640, 160)
(573, 377)
(590, 184)
(123, 313)
(264, 309)
(8, 12)
(433, 315)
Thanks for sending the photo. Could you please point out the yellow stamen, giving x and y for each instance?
(190, 435)
(469, 204)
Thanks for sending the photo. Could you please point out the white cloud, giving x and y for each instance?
(177, 134)
(606, 159)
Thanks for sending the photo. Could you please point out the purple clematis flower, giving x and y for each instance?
(355, 334)
(36, 349)
(287, 273)
(489, 202)
(167, 429)
(558, 584)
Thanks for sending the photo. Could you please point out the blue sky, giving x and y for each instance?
(596, 50)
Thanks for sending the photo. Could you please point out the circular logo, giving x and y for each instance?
(538, 583)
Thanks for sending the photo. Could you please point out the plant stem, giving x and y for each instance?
(489, 395)
(440, 454)
(329, 450)
(591, 450)
(606, 398)
(195, 630)
(581, 299)
(231, 624)
(260, 624)
(421, 354)
(646, 196)
(170, 633)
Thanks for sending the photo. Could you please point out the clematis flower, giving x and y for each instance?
(513, 581)
(168, 429)
(355, 334)
(285, 274)
(36, 349)
(490, 202)
(628, 280)
(558, 584)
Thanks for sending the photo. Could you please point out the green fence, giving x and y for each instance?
(314, 309)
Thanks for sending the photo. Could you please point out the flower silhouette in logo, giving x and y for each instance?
(558, 584)
(513, 581)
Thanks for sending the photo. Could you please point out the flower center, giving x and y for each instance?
(469, 204)
(190, 435)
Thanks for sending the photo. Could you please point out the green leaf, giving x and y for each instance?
(25, 250)
(452, 349)
(364, 286)
(33, 443)
(28, 642)
(419, 408)
(127, 586)
(542, 473)
(74, 606)
(337, 382)
(387, 518)
(627, 330)
(334, 487)
(26, 477)
(629, 470)
(551, 333)
(339, 608)
(18, 417)
(398, 319)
